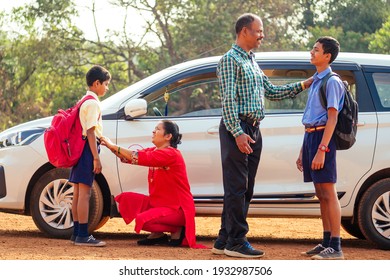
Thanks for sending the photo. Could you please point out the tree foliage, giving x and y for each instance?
(381, 39)
(43, 63)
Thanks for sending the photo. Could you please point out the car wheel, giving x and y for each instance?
(102, 222)
(374, 214)
(352, 228)
(51, 204)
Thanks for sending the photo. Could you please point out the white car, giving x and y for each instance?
(30, 185)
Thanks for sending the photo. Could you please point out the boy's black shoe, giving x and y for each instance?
(89, 241)
(329, 254)
(316, 250)
(244, 250)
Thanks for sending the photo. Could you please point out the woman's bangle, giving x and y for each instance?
(303, 85)
(119, 150)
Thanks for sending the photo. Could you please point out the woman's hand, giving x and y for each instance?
(106, 142)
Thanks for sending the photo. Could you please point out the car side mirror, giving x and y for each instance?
(135, 108)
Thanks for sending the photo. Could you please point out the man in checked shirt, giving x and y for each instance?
(243, 87)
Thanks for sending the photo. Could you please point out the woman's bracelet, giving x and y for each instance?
(119, 150)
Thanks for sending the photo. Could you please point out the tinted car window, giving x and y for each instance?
(382, 84)
(198, 95)
(193, 96)
(200, 98)
(297, 105)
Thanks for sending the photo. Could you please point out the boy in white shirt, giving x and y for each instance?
(83, 173)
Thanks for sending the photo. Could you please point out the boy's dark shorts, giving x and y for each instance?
(82, 172)
(328, 174)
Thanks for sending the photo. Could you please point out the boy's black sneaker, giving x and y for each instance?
(243, 251)
(218, 247)
(329, 254)
(89, 241)
(72, 238)
(316, 250)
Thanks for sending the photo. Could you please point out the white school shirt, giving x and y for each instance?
(90, 115)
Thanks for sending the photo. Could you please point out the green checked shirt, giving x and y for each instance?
(243, 87)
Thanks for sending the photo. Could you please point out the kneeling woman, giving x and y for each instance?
(170, 205)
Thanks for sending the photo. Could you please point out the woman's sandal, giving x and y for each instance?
(154, 241)
(177, 242)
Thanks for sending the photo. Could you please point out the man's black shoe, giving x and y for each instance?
(244, 250)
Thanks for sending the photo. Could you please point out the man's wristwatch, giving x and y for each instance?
(323, 148)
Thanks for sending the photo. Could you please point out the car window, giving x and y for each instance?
(287, 76)
(190, 97)
(382, 84)
(198, 95)
(282, 77)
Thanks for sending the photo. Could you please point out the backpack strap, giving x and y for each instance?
(82, 100)
(324, 81)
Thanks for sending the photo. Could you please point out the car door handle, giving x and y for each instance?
(213, 130)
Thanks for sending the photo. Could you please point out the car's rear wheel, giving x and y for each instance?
(51, 204)
(374, 214)
(352, 228)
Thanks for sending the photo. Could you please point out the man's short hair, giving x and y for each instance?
(330, 45)
(244, 20)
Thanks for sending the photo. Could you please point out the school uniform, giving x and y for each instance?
(314, 119)
(90, 116)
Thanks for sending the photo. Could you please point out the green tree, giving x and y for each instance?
(380, 42)
(350, 21)
(363, 17)
(38, 64)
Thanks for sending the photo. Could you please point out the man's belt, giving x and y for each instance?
(248, 120)
(311, 129)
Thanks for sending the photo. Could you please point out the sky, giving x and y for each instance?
(107, 15)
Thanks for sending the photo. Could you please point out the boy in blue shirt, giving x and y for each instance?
(317, 158)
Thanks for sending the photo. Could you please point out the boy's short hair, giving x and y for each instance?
(244, 20)
(330, 45)
(97, 72)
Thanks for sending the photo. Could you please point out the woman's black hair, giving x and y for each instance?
(172, 128)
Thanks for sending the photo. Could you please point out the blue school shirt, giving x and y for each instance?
(315, 114)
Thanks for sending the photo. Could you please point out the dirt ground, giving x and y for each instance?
(281, 239)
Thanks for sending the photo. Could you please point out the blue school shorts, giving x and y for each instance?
(82, 172)
(328, 174)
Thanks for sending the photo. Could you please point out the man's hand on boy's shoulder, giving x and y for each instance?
(308, 82)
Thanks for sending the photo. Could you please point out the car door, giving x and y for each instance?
(192, 100)
(278, 181)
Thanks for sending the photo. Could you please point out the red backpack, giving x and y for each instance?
(63, 140)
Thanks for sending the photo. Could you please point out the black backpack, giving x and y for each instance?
(346, 128)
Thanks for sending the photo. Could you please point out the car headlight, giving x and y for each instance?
(20, 138)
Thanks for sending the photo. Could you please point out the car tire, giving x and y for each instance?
(102, 222)
(374, 214)
(51, 204)
(352, 228)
